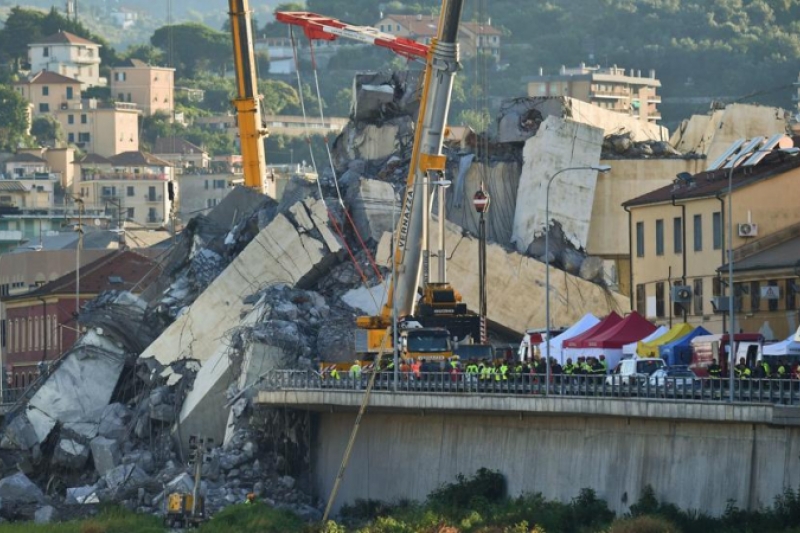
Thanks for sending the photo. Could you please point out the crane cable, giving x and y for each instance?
(333, 168)
(336, 225)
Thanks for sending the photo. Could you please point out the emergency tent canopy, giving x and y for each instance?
(787, 346)
(609, 342)
(608, 322)
(556, 343)
(629, 350)
(651, 348)
(679, 351)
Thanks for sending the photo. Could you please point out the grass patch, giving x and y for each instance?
(108, 520)
(253, 518)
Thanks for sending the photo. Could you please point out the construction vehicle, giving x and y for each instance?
(439, 307)
(247, 101)
(187, 509)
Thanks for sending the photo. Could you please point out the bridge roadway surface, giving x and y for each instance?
(696, 453)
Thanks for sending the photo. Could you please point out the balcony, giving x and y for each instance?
(129, 176)
(153, 198)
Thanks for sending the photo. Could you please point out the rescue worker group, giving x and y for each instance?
(481, 370)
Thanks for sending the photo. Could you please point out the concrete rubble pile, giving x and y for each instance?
(622, 146)
(244, 292)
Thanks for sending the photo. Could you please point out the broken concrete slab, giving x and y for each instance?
(372, 204)
(65, 398)
(45, 515)
(378, 96)
(515, 285)
(114, 421)
(70, 454)
(128, 476)
(106, 454)
(279, 253)
(19, 434)
(521, 118)
(17, 488)
(82, 495)
(558, 144)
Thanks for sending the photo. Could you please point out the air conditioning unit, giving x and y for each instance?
(721, 304)
(748, 230)
(681, 294)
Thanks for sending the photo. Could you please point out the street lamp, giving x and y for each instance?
(603, 169)
(731, 313)
(78, 200)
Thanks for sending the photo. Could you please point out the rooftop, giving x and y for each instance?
(25, 157)
(138, 159)
(47, 77)
(94, 159)
(783, 255)
(118, 270)
(176, 145)
(426, 25)
(715, 182)
(63, 37)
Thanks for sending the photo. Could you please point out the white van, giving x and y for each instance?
(632, 370)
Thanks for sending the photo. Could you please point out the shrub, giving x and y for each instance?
(485, 488)
(643, 524)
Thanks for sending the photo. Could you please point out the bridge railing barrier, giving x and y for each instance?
(781, 391)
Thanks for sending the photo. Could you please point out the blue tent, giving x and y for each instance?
(679, 351)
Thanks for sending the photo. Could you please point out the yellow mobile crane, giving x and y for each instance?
(439, 306)
(247, 101)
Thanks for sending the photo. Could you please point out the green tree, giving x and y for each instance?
(278, 96)
(47, 131)
(13, 119)
(145, 52)
(195, 47)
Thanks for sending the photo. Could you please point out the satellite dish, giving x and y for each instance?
(97, 222)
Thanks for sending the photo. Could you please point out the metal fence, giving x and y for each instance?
(780, 391)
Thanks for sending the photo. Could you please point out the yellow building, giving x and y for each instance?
(135, 186)
(609, 88)
(151, 88)
(679, 238)
(105, 131)
(48, 91)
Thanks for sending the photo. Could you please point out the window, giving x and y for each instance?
(130, 190)
(219, 184)
(129, 97)
(772, 303)
(755, 296)
(660, 237)
(640, 239)
(71, 137)
(717, 221)
(130, 213)
(660, 299)
(206, 184)
(70, 92)
(120, 97)
(152, 216)
(698, 233)
(45, 90)
(677, 235)
(83, 119)
(70, 119)
(84, 137)
(44, 108)
(791, 293)
(397, 27)
(641, 297)
(697, 294)
(46, 51)
(382, 28)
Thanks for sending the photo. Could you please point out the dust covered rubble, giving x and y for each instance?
(103, 426)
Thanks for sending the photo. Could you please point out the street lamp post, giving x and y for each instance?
(78, 200)
(598, 168)
(731, 313)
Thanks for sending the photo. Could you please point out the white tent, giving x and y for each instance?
(788, 346)
(629, 350)
(587, 321)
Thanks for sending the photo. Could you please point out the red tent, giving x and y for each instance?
(608, 322)
(632, 328)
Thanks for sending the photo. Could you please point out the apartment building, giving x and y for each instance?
(610, 88)
(105, 131)
(69, 55)
(136, 187)
(151, 88)
(28, 182)
(48, 91)
(679, 238)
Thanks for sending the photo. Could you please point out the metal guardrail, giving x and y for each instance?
(778, 391)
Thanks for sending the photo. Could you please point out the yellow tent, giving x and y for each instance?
(650, 349)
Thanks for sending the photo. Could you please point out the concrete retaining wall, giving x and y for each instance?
(695, 465)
